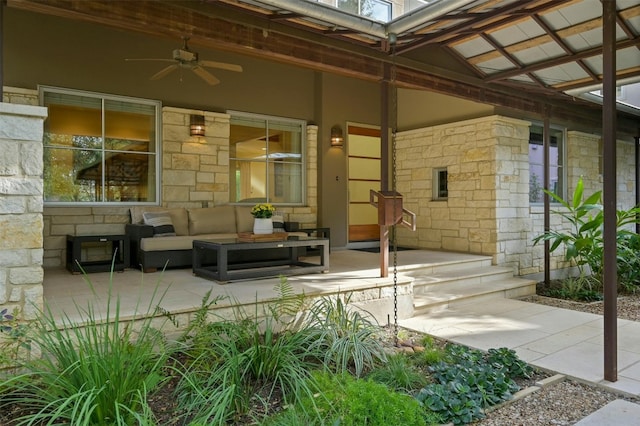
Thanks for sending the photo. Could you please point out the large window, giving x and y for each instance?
(380, 10)
(267, 161)
(536, 163)
(99, 148)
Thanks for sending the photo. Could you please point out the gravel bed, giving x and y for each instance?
(564, 402)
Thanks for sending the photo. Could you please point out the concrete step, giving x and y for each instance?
(443, 265)
(424, 283)
(443, 296)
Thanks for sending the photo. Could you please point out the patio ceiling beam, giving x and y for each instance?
(563, 33)
(217, 27)
(563, 46)
(537, 66)
(482, 23)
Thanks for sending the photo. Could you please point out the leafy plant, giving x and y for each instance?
(345, 335)
(14, 338)
(432, 353)
(399, 374)
(583, 242)
(346, 401)
(628, 261)
(585, 289)
(452, 401)
(470, 380)
(231, 361)
(508, 359)
(92, 371)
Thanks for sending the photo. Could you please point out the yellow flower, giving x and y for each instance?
(263, 211)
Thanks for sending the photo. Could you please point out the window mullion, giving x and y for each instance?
(266, 159)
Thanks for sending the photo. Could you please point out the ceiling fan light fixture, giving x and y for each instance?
(196, 127)
(188, 59)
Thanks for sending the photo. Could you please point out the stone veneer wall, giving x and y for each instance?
(487, 207)
(196, 170)
(488, 210)
(195, 173)
(21, 273)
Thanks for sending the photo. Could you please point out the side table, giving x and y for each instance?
(95, 253)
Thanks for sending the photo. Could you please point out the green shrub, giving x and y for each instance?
(14, 338)
(345, 335)
(399, 374)
(229, 362)
(346, 401)
(582, 288)
(584, 242)
(91, 371)
(432, 353)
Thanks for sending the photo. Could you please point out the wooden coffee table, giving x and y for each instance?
(218, 259)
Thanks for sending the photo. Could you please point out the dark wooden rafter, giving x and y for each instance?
(542, 24)
(562, 33)
(285, 15)
(631, 73)
(496, 46)
(461, 59)
(482, 23)
(537, 66)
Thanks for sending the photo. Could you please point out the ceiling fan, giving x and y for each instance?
(185, 58)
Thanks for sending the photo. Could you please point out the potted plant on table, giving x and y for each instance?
(262, 214)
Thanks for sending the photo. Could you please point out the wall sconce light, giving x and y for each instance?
(197, 125)
(337, 139)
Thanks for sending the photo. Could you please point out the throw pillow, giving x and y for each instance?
(161, 222)
(278, 223)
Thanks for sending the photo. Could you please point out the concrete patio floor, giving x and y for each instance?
(181, 291)
(555, 339)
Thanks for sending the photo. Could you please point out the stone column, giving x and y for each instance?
(21, 199)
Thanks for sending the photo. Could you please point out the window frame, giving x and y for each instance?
(436, 184)
(303, 156)
(104, 97)
(389, 4)
(562, 174)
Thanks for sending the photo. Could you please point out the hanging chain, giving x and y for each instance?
(394, 242)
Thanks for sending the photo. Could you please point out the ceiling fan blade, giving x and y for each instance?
(163, 72)
(205, 75)
(221, 65)
(150, 59)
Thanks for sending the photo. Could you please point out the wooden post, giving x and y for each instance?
(384, 251)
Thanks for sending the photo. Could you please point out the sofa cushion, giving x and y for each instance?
(178, 215)
(212, 220)
(184, 242)
(161, 222)
(244, 219)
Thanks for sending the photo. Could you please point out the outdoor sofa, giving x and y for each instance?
(163, 237)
